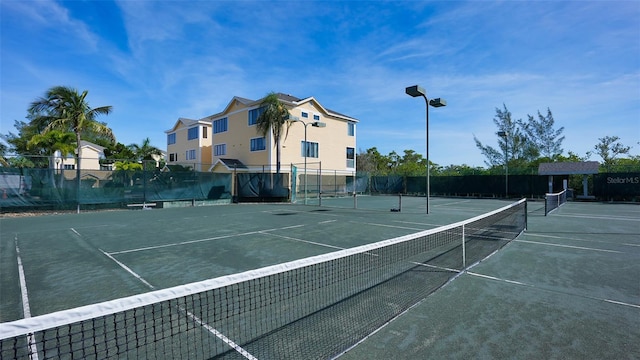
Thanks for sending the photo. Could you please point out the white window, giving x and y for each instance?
(304, 114)
(309, 149)
(171, 139)
(191, 154)
(258, 144)
(351, 157)
(220, 149)
(351, 129)
(316, 117)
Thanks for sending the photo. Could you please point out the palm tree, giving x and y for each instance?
(145, 151)
(65, 109)
(52, 142)
(274, 116)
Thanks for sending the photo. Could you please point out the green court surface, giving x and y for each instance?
(569, 287)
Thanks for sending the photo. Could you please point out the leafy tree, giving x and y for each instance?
(124, 171)
(608, 148)
(20, 162)
(372, 162)
(55, 140)
(273, 117)
(412, 164)
(515, 146)
(51, 142)
(458, 170)
(541, 134)
(119, 151)
(4, 149)
(18, 143)
(393, 162)
(65, 109)
(572, 157)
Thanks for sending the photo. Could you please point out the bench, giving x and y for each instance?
(144, 206)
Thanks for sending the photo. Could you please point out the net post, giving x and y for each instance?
(464, 250)
(545, 206)
(400, 202)
(355, 200)
(526, 214)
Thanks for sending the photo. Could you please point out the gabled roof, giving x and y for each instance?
(285, 98)
(98, 148)
(569, 168)
(297, 102)
(187, 123)
(230, 164)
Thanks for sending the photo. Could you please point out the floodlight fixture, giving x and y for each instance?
(438, 102)
(417, 91)
(318, 124)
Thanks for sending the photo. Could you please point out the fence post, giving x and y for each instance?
(320, 185)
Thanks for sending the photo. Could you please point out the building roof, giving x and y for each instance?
(231, 164)
(98, 148)
(569, 168)
(187, 123)
(286, 98)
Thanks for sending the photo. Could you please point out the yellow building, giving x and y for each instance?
(189, 144)
(234, 142)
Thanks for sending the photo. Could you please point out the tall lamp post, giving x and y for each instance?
(416, 91)
(318, 124)
(505, 135)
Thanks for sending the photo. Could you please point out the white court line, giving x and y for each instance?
(25, 303)
(417, 223)
(568, 246)
(201, 240)
(576, 239)
(553, 291)
(393, 226)
(327, 221)
(306, 241)
(620, 218)
(125, 267)
(451, 203)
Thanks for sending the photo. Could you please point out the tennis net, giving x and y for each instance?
(553, 201)
(313, 308)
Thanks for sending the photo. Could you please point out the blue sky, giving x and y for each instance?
(156, 61)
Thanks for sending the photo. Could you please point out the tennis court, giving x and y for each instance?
(564, 265)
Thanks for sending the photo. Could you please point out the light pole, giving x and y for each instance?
(416, 91)
(318, 124)
(505, 135)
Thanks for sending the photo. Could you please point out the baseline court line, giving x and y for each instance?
(25, 302)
